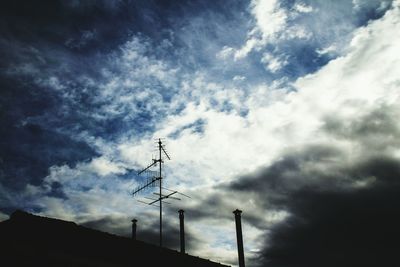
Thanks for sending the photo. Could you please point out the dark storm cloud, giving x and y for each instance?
(375, 129)
(338, 229)
(332, 224)
(342, 212)
(213, 206)
(293, 171)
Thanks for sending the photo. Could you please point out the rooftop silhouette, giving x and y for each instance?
(30, 240)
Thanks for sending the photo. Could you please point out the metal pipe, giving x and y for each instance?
(182, 230)
(239, 236)
(134, 229)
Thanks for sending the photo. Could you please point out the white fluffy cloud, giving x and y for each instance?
(271, 26)
(103, 166)
(270, 20)
(272, 63)
(303, 8)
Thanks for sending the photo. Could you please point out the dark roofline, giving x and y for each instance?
(19, 215)
(22, 225)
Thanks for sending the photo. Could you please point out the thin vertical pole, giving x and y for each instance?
(159, 148)
(239, 236)
(134, 229)
(182, 230)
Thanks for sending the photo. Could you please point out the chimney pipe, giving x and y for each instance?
(239, 236)
(134, 229)
(182, 230)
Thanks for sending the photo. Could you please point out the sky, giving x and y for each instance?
(285, 109)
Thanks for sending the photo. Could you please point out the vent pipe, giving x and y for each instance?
(239, 236)
(134, 229)
(182, 230)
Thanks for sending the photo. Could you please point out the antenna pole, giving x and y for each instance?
(152, 182)
(160, 148)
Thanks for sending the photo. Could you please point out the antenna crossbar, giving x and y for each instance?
(167, 196)
(140, 188)
(165, 152)
(148, 167)
(176, 192)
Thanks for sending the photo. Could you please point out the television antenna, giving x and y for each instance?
(153, 179)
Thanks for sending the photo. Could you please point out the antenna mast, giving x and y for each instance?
(160, 147)
(153, 180)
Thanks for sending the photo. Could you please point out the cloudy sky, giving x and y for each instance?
(286, 109)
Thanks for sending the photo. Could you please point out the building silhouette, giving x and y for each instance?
(30, 240)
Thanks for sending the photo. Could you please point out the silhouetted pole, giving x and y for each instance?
(239, 237)
(182, 230)
(134, 229)
(153, 181)
(160, 147)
